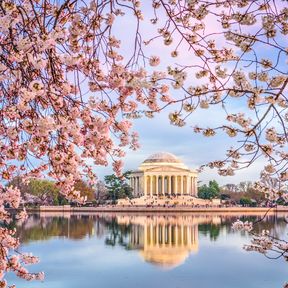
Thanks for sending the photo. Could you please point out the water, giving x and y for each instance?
(123, 251)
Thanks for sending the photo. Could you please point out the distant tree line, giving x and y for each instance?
(244, 194)
(45, 192)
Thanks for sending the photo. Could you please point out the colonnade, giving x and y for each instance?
(170, 184)
(171, 235)
(166, 244)
(164, 235)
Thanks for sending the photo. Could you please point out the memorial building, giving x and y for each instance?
(163, 174)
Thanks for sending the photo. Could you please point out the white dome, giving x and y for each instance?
(163, 157)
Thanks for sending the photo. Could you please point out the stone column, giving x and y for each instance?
(191, 186)
(151, 191)
(176, 184)
(139, 185)
(187, 185)
(151, 236)
(163, 182)
(181, 183)
(157, 188)
(157, 234)
(145, 185)
(169, 184)
(188, 236)
(132, 185)
(195, 185)
(170, 235)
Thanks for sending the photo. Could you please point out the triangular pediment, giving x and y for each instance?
(167, 169)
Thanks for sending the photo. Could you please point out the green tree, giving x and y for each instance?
(246, 202)
(209, 192)
(45, 190)
(210, 229)
(281, 201)
(117, 233)
(225, 196)
(117, 187)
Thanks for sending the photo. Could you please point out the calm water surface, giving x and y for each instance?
(126, 251)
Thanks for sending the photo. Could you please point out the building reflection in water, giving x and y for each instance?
(163, 241)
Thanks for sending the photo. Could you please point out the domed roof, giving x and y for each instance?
(165, 257)
(162, 157)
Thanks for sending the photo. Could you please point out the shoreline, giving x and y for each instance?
(155, 209)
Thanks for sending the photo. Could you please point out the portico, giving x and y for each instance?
(163, 174)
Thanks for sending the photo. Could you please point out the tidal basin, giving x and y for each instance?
(149, 250)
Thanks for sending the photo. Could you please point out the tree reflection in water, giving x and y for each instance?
(117, 234)
(43, 228)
